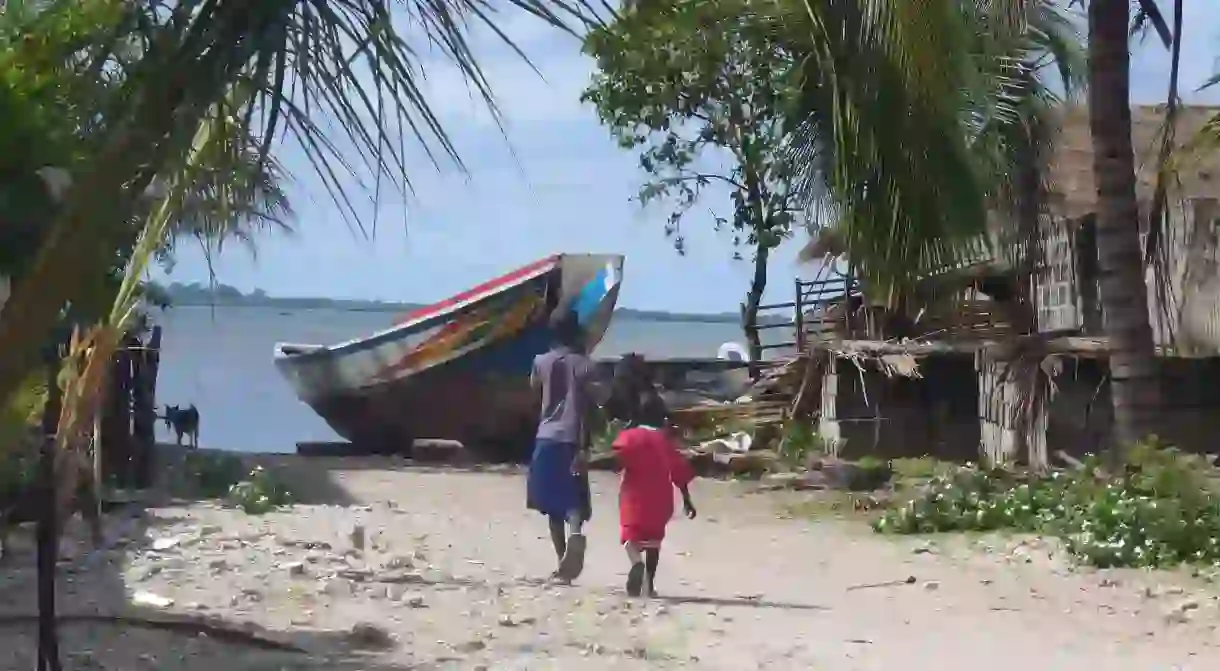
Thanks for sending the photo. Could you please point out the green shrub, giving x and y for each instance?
(211, 474)
(261, 492)
(1162, 511)
(921, 468)
(869, 474)
(18, 470)
(800, 441)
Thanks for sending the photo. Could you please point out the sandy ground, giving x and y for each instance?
(450, 576)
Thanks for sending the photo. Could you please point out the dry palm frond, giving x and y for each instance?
(92, 350)
(1156, 252)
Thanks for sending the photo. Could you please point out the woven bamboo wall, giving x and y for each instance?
(1002, 440)
(1186, 316)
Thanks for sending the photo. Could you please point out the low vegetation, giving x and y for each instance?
(215, 475)
(260, 492)
(800, 443)
(1162, 511)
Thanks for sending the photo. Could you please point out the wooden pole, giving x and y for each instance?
(116, 423)
(47, 531)
(798, 320)
(847, 286)
(144, 408)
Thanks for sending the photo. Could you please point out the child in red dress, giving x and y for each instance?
(651, 465)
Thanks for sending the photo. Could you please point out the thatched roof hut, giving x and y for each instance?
(1072, 170)
(1072, 165)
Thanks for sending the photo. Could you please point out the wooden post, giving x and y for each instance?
(828, 417)
(798, 320)
(48, 519)
(847, 286)
(144, 409)
(116, 423)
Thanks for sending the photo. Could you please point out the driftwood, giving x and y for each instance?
(186, 625)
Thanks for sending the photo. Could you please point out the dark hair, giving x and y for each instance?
(651, 410)
(629, 380)
(565, 325)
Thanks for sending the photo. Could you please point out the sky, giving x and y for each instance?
(552, 181)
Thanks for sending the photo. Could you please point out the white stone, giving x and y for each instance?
(143, 598)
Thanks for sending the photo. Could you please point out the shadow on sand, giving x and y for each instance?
(93, 587)
(317, 480)
(102, 628)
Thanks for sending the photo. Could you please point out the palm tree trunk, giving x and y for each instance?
(1124, 296)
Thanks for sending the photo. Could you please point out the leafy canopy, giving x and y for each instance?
(699, 88)
(341, 77)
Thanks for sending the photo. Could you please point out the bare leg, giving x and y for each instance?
(572, 564)
(559, 538)
(652, 558)
(635, 577)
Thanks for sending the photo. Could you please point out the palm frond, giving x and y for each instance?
(911, 191)
(344, 78)
(882, 127)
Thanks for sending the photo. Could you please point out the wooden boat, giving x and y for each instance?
(458, 369)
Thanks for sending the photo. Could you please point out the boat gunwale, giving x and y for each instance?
(425, 321)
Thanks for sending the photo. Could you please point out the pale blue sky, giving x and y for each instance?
(568, 188)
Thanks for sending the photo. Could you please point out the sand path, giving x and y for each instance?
(451, 565)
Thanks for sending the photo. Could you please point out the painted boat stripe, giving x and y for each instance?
(490, 286)
(520, 276)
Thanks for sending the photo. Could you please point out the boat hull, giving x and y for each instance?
(460, 372)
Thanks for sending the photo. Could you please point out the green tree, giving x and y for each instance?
(1005, 116)
(699, 90)
(893, 101)
(912, 190)
(277, 67)
(234, 193)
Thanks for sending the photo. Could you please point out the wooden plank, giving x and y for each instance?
(777, 306)
(1067, 345)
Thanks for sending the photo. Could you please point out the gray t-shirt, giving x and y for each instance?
(564, 376)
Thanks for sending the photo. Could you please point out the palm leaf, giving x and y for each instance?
(326, 73)
(867, 59)
(909, 193)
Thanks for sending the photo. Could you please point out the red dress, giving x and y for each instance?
(651, 468)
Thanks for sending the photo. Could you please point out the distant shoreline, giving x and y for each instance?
(343, 305)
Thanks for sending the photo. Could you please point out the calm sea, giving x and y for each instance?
(220, 360)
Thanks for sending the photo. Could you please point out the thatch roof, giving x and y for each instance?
(1072, 169)
(1072, 166)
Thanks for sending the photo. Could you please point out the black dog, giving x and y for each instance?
(184, 422)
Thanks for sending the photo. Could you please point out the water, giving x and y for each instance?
(220, 360)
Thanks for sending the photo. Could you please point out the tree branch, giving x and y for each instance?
(706, 176)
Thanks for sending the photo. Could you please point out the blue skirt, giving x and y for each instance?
(551, 488)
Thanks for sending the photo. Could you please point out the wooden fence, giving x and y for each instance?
(129, 414)
(818, 312)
